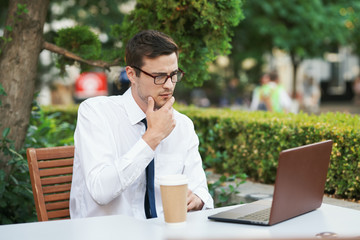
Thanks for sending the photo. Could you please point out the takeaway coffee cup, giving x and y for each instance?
(173, 190)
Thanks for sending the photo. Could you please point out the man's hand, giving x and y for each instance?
(193, 202)
(160, 122)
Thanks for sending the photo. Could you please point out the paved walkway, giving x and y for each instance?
(344, 107)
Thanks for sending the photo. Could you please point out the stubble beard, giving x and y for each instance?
(157, 104)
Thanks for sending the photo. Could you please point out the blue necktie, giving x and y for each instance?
(149, 204)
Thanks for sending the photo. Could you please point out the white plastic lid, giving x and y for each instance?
(173, 180)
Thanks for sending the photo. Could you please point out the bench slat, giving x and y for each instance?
(56, 163)
(57, 197)
(56, 171)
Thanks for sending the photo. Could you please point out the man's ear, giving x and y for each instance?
(131, 74)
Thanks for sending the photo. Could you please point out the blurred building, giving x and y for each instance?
(334, 73)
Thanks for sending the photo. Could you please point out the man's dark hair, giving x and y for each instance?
(273, 76)
(148, 43)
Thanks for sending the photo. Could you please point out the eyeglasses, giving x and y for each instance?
(175, 76)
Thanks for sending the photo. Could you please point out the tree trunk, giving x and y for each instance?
(295, 62)
(18, 65)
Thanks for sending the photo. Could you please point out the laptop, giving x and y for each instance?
(299, 188)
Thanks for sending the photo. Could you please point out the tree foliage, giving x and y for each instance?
(351, 12)
(99, 16)
(202, 29)
(81, 41)
(303, 29)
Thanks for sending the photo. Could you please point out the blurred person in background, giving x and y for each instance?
(122, 84)
(280, 100)
(261, 95)
(232, 92)
(311, 95)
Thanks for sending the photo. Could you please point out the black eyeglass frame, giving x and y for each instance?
(167, 76)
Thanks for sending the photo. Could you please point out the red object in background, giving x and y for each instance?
(91, 84)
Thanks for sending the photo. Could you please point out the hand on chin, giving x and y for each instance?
(161, 100)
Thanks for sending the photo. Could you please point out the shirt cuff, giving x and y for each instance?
(205, 196)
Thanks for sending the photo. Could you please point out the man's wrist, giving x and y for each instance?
(152, 140)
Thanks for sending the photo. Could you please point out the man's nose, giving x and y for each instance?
(168, 83)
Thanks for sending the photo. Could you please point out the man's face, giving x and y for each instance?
(265, 79)
(143, 86)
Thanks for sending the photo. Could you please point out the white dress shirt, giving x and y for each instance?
(111, 157)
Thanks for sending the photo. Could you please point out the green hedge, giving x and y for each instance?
(63, 113)
(250, 142)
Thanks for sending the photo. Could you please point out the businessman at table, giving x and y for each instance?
(123, 144)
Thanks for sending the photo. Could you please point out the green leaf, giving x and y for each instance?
(9, 28)
(223, 198)
(2, 90)
(14, 180)
(6, 132)
(2, 182)
(222, 178)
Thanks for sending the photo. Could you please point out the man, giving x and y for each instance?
(119, 156)
(261, 94)
(280, 100)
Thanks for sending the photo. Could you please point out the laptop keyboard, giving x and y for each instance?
(262, 215)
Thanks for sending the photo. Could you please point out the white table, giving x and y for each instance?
(96, 228)
(343, 221)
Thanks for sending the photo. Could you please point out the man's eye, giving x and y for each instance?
(161, 77)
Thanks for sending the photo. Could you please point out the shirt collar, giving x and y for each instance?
(132, 108)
